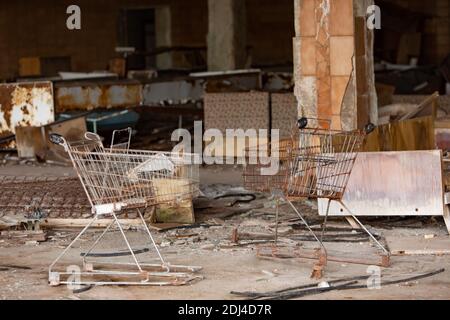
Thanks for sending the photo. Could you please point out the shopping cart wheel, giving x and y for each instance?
(302, 123)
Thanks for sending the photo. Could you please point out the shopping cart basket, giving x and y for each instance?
(259, 158)
(315, 163)
(121, 179)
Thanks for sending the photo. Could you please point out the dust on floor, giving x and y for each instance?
(227, 266)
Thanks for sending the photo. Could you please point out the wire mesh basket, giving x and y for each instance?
(122, 178)
(315, 163)
(253, 176)
(320, 162)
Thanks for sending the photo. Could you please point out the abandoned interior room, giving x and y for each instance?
(224, 149)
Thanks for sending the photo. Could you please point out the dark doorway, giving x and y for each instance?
(137, 29)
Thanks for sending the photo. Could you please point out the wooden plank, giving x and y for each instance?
(33, 142)
(81, 223)
(418, 245)
(24, 235)
(431, 100)
(352, 222)
(30, 141)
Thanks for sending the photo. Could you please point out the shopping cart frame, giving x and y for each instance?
(296, 154)
(147, 274)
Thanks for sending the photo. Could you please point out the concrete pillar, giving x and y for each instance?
(333, 62)
(226, 35)
(163, 25)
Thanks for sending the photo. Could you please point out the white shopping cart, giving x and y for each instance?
(115, 180)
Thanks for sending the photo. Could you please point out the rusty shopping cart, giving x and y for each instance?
(116, 180)
(314, 163)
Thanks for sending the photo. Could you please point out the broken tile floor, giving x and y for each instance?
(228, 266)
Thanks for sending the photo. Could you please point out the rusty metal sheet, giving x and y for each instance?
(25, 104)
(172, 92)
(194, 87)
(95, 95)
(33, 142)
(393, 184)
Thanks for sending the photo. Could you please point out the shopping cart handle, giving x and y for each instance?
(57, 139)
(92, 136)
(369, 128)
(302, 123)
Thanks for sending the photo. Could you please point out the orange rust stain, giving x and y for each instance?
(12, 95)
(104, 97)
(133, 97)
(5, 102)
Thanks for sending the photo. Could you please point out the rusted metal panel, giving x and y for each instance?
(393, 184)
(172, 92)
(25, 104)
(33, 142)
(194, 87)
(231, 81)
(90, 95)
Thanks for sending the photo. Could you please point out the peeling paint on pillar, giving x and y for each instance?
(305, 87)
(331, 90)
(323, 63)
(348, 109)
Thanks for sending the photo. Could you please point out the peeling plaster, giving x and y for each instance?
(323, 22)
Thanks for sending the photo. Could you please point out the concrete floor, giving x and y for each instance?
(223, 271)
(225, 268)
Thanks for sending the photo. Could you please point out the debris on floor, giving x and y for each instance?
(322, 287)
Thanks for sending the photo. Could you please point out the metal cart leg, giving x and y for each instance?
(307, 226)
(323, 257)
(97, 241)
(366, 230)
(277, 213)
(151, 237)
(126, 241)
(324, 225)
(72, 243)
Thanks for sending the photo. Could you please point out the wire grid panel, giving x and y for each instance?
(253, 176)
(320, 163)
(134, 178)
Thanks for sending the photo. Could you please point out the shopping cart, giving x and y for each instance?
(314, 163)
(118, 141)
(116, 180)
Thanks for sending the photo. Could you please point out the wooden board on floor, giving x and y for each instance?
(81, 223)
(418, 245)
